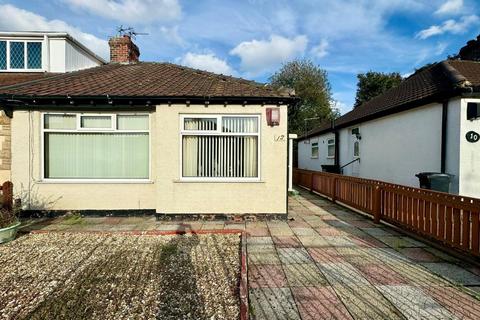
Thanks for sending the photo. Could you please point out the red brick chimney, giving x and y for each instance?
(123, 50)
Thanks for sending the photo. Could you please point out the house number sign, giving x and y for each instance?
(472, 136)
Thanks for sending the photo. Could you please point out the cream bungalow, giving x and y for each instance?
(160, 137)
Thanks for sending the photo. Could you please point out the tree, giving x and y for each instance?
(311, 86)
(372, 84)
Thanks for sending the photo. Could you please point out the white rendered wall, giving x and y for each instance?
(469, 154)
(396, 147)
(453, 143)
(57, 55)
(305, 161)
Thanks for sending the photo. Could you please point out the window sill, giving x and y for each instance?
(216, 181)
(95, 181)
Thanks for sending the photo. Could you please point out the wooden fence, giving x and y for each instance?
(7, 195)
(450, 219)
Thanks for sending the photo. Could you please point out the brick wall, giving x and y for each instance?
(5, 147)
(123, 50)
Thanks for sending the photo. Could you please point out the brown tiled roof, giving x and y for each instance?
(435, 83)
(11, 78)
(143, 79)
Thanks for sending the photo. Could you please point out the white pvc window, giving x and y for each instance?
(356, 149)
(220, 147)
(314, 150)
(96, 147)
(331, 148)
(20, 55)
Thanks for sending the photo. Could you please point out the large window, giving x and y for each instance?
(221, 148)
(18, 55)
(96, 146)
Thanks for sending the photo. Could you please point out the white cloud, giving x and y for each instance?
(207, 61)
(131, 11)
(449, 26)
(320, 50)
(23, 20)
(450, 7)
(258, 56)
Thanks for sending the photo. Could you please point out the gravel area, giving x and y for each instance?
(113, 276)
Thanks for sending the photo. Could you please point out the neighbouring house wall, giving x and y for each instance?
(265, 196)
(5, 145)
(396, 147)
(469, 154)
(37, 194)
(452, 163)
(305, 160)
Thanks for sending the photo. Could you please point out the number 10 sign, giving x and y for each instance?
(472, 136)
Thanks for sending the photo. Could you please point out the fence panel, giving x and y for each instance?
(450, 219)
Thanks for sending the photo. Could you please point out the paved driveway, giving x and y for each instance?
(327, 262)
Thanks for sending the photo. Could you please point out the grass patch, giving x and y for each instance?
(73, 219)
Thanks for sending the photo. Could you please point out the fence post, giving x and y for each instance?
(311, 182)
(377, 204)
(334, 189)
(7, 191)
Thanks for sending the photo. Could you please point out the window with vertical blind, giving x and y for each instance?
(96, 147)
(220, 147)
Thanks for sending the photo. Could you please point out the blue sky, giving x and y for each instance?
(252, 38)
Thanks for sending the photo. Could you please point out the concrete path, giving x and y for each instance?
(328, 262)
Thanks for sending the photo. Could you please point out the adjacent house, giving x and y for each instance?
(27, 56)
(429, 123)
(156, 137)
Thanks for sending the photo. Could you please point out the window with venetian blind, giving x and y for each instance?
(220, 147)
(100, 146)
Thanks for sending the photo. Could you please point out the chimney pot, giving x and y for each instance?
(123, 50)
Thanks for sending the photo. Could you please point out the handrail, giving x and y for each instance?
(354, 160)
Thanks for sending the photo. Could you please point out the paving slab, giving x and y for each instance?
(304, 275)
(342, 273)
(319, 303)
(453, 273)
(263, 258)
(419, 255)
(313, 241)
(273, 303)
(366, 302)
(413, 303)
(266, 276)
(398, 242)
(286, 241)
(259, 240)
(293, 255)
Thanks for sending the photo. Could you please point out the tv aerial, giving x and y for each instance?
(129, 31)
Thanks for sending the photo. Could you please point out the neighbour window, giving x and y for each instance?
(20, 55)
(331, 148)
(314, 150)
(85, 146)
(356, 149)
(3, 55)
(220, 147)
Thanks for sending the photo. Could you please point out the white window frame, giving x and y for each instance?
(25, 56)
(78, 129)
(311, 150)
(356, 142)
(329, 145)
(218, 132)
